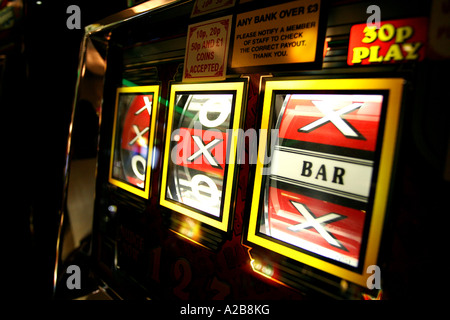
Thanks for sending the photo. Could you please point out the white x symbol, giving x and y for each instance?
(138, 134)
(204, 150)
(317, 223)
(334, 117)
(148, 106)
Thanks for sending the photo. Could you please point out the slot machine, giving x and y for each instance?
(257, 150)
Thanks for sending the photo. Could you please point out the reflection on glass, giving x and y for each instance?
(131, 154)
(198, 150)
(318, 180)
(132, 142)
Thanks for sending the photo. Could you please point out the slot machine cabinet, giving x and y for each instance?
(184, 208)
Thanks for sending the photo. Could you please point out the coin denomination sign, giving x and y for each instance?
(207, 50)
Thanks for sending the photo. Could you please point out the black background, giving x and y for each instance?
(36, 100)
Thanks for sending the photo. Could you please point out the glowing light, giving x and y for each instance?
(155, 154)
(290, 196)
(369, 297)
(344, 285)
(190, 228)
(142, 142)
(265, 270)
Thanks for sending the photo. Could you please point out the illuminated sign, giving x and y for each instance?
(282, 34)
(322, 181)
(199, 167)
(395, 41)
(132, 143)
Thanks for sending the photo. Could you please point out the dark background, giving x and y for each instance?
(40, 57)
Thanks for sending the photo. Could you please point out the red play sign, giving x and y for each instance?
(395, 41)
(335, 119)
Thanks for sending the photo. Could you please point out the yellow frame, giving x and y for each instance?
(205, 87)
(395, 87)
(154, 89)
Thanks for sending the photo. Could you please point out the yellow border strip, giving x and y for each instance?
(205, 87)
(395, 87)
(139, 90)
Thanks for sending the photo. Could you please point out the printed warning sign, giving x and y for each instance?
(207, 50)
(281, 34)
